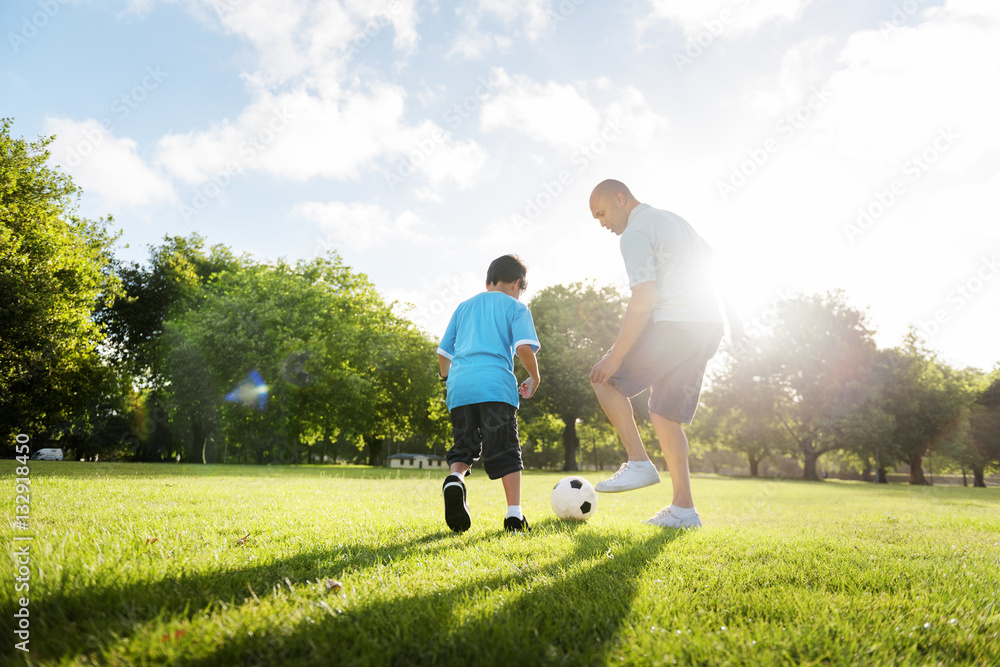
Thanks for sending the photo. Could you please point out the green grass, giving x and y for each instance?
(144, 564)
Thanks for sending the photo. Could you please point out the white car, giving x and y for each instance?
(47, 455)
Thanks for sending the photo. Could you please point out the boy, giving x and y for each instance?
(476, 357)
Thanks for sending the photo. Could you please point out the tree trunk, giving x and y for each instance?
(980, 479)
(374, 449)
(880, 478)
(917, 471)
(754, 466)
(809, 466)
(571, 444)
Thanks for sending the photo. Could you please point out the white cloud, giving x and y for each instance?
(562, 115)
(897, 90)
(297, 39)
(105, 165)
(298, 135)
(722, 18)
(553, 113)
(429, 301)
(360, 226)
(529, 20)
(907, 107)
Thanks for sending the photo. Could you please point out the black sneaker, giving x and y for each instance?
(514, 525)
(456, 509)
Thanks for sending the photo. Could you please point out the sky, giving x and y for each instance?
(816, 144)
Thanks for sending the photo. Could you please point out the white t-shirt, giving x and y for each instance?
(661, 246)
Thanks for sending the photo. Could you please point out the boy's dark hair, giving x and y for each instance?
(507, 269)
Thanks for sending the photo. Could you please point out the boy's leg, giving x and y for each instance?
(502, 459)
(512, 488)
(468, 443)
(515, 521)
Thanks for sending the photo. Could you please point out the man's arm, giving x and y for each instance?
(737, 334)
(640, 307)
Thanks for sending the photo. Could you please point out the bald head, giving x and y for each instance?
(610, 188)
(611, 202)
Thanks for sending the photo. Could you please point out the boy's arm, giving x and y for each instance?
(444, 364)
(527, 356)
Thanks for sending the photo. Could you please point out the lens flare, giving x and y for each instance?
(251, 393)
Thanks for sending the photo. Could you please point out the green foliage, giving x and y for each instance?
(335, 358)
(978, 445)
(166, 287)
(576, 326)
(805, 385)
(927, 400)
(232, 565)
(54, 268)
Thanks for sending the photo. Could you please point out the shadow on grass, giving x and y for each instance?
(550, 616)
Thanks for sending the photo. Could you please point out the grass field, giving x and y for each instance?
(211, 565)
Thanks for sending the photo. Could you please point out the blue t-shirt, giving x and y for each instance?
(481, 341)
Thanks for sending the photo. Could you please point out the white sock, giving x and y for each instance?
(682, 512)
(640, 464)
(514, 510)
(458, 474)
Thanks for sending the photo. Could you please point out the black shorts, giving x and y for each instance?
(489, 429)
(669, 358)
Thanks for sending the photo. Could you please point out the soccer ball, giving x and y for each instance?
(574, 498)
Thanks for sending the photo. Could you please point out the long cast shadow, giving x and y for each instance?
(104, 613)
(558, 620)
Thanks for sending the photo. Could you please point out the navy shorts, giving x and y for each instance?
(669, 358)
(490, 430)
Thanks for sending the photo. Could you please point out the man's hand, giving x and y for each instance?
(604, 369)
(527, 388)
(740, 342)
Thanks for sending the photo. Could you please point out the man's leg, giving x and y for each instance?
(638, 471)
(674, 444)
(619, 411)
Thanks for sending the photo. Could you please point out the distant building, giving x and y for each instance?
(418, 461)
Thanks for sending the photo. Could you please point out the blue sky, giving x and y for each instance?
(816, 144)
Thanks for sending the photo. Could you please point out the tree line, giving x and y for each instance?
(207, 356)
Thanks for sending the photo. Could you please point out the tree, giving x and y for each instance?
(54, 268)
(927, 399)
(576, 325)
(334, 360)
(815, 365)
(741, 415)
(166, 287)
(980, 448)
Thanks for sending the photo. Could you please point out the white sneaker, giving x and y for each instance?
(628, 478)
(665, 519)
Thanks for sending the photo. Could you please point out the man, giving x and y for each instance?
(671, 328)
